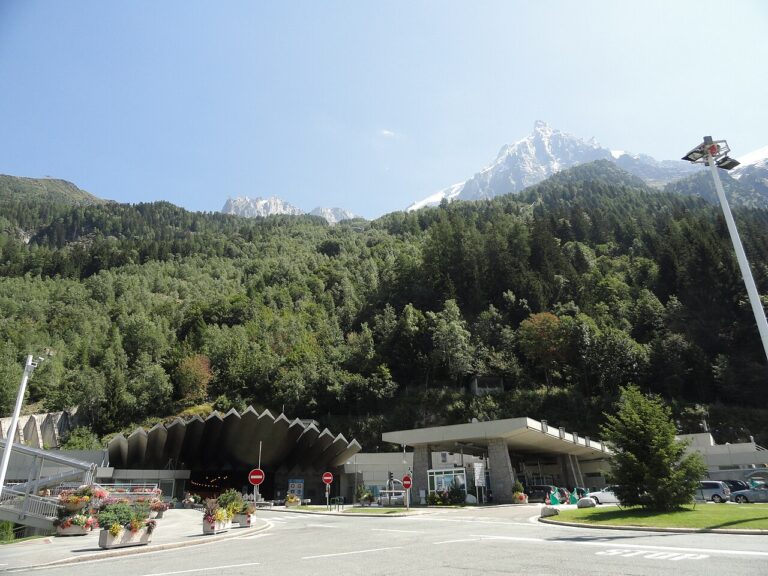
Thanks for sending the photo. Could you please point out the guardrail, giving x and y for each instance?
(28, 504)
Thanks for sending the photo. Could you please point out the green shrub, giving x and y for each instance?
(6, 531)
(119, 513)
(455, 494)
(231, 500)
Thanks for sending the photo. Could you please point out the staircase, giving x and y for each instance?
(21, 503)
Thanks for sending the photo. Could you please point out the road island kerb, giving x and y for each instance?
(412, 512)
(742, 531)
(190, 540)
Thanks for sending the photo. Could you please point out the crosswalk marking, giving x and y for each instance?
(671, 556)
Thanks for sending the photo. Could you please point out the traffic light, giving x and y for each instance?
(390, 476)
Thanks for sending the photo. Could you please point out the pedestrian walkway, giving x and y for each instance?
(176, 529)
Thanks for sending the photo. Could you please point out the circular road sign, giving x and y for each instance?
(256, 476)
(327, 477)
(407, 482)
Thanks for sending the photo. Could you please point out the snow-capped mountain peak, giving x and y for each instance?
(262, 207)
(752, 173)
(544, 152)
(255, 207)
(333, 215)
(755, 159)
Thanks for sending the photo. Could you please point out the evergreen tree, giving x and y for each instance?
(649, 465)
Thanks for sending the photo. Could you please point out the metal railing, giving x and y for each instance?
(28, 504)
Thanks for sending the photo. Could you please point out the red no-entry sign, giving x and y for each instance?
(256, 476)
(327, 478)
(407, 482)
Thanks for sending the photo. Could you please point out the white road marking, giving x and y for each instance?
(253, 537)
(671, 556)
(469, 521)
(353, 552)
(649, 548)
(460, 540)
(401, 531)
(321, 526)
(202, 569)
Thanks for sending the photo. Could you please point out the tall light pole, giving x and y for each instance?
(28, 368)
(714, 153)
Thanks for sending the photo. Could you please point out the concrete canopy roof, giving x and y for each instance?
(230, 442)
(522, 435)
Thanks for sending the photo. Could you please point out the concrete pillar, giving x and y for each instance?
(502, 476)
(422, 462)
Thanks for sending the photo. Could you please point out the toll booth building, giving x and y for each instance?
(499, 452)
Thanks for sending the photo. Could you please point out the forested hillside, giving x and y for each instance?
(585, 282)
(46, 189)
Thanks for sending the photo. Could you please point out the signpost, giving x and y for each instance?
(327, 480)
(256, 476)
(407, 483)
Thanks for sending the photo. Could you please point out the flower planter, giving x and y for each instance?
(156, 514)
(216, 527)
(243, 520)
(72, 507)
(73, 530)
(124, 538)
(520, 498)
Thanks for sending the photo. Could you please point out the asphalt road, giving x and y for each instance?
(451, 542)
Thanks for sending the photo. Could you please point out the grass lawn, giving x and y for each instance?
(746, 516)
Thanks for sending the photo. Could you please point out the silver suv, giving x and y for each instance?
(713, 490)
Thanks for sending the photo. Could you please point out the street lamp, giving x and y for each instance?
(714, 153)
(28, 368)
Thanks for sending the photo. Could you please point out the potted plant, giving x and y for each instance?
(364, 495)
(122, 525)
(157, 508)
(292, 500)
(74, 524)
(243, 516)
(215, 518)
(241, 511)
(75, 500)
(518, 495)
(137, 532)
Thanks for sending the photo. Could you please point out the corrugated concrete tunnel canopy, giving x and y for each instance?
(233, 442)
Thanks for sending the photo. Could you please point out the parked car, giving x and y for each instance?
(391, 498)
(540, 492)
(736, 485)
(714, 490)
(759, 494)
(604, 496)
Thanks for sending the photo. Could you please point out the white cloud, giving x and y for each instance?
(388, 133)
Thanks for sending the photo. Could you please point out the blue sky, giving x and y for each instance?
(360, 104)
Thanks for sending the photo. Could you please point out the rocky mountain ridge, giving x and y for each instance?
(262, 207)
(545, 152)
